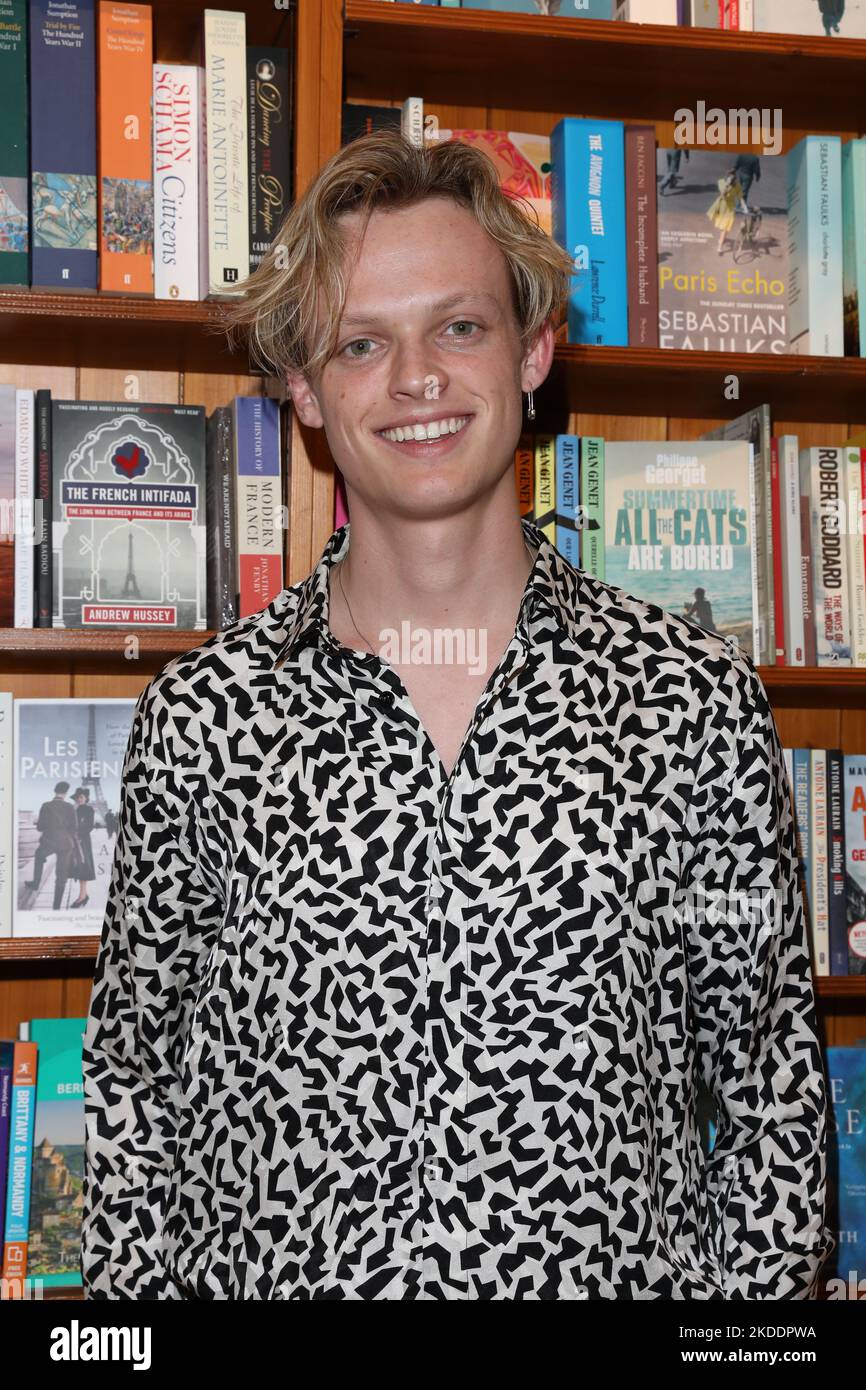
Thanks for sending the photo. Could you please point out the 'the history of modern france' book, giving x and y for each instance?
(723, 273)
(129, 515)
(678, 533)
(69, 758)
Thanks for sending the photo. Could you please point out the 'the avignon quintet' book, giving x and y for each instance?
(129, 515)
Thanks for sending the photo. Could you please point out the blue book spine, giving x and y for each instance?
(815, 320)
(566, 494)
(588, 218)
(802, 791)
(63, 219)
(846, 1154)
(7, 1050)
(14, 163)
(854, 246)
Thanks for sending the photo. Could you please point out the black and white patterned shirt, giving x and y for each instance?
(361, 1029)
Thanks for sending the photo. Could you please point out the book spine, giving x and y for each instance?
(21, 1123)
(807, 570)
(222, 597)
(176, 181)
(792, 570)
(125, 77)
(819, 851)
(566, 493)
(855, 556)
(815, 312)
(592, 505)
(227, 150)
(524, 475)
(412, 120)
(25, 510)
(43, 607)
(14, 154)
(588, 217)
(853, 246)
(7, 1053)
(270, 154)
(545, 485)
(760, 595)
(802, 813)
(781, 652)
(642, 236)
(6, 831)
(258, 501)
(64, 225)
(854, 782)
(832, 614)
(838, 924)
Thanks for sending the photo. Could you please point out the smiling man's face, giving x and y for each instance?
(428, 335)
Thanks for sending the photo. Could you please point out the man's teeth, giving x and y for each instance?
(434, 430)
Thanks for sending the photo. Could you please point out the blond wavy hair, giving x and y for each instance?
(305, 265)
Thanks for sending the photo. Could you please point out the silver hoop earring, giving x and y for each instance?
(530, 406)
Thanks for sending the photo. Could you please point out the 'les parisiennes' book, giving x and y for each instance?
(715, 295)
(678, 530)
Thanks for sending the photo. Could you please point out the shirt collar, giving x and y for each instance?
(551, 585)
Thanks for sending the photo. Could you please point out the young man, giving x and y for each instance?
(411, 964)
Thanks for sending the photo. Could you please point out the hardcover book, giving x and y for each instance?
(258, 500)
(226, 148)
(63, 145)
(722, 251)
(678, 532)
(14, 154)
(179, 183)
(69, 756)
(269, 122)
(129, 515)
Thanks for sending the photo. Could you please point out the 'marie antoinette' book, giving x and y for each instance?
(129, 519)
(721, 290)
(678, 532)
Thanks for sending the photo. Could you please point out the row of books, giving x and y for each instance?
(833, 18)
(828, 794)
(748, 536)
(686, 247)
(41, 1157)
(142, 515)
(130, 176)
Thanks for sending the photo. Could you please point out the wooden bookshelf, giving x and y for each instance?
(472, 68)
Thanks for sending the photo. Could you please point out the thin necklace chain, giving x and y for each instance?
(529, 550)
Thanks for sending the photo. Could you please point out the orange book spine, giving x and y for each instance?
(524, 469)
(125, 148)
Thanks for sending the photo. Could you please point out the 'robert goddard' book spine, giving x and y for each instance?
(588, 218)
(125, 148)
(14, 168)
(269, 117)
(63, 145)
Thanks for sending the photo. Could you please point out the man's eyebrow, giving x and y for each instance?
(440, 307)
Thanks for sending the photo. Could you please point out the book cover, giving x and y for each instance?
(647, 11)
(822, 475)
(42, 612)
(854, 246)
(223, 604)
(846, 1171)
(178, 182)
(566, 492)
(592, 505)
(778, 605)
(641, 235)
(854, 793)
(755, 426)
(524, 474)
(14, 150)
(21, 1121)
(522, 161)
(258, 501)
(855, 545)
(815, 307)
(791, 552)
(722, 251)
(63, 198)
(678, 532)
(588, 218)
(125, 74)
(819, 861)
(269, 123)
(843, 19)
(807, 569)
(226, 149)
(802, 760)
(836, 863)
(54, 1242)
(25, 507)
(7, 778)
(7, 1054)
(545, 485)
(129, 520)
(68, 763)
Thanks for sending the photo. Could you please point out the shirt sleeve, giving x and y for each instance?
(752, 1003)
(158, 919)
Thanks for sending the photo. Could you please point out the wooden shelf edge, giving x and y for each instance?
(36, 948)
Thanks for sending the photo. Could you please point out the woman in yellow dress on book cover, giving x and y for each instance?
(723, 209)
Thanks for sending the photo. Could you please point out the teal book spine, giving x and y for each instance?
(567, 493)
(854, 246)
(14, 150)
(815, 247)
(58, 1155)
